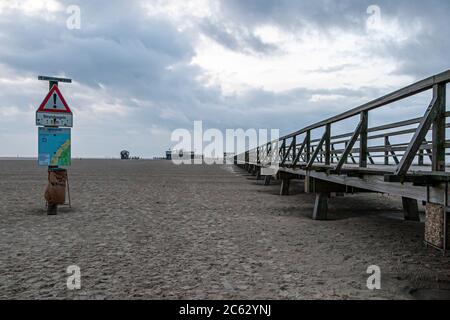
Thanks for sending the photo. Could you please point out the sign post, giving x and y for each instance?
(54, 141)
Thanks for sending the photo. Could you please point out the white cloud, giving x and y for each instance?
(301, 57)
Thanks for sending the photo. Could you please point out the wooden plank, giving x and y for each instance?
(376, 183)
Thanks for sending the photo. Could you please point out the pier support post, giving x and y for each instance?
(258, 174)
(285, 182)
(410, 209)
(321, 206)
(267, 180)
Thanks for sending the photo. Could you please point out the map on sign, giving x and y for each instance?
(54, 147)
(54, 110)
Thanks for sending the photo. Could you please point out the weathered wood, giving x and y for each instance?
(363, 139)
(376, 183)
(438, 150)
(300, 151)
(258, 173)
(410, 209)
(419, 135)
(284, 189)
(308, 145)
(321, 206)
(391, 150)
(349, 147)
(400, 94)
(327, 144)
(294, 150)
(317, 150)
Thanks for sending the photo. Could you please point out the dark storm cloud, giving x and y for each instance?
(236, 38)
(425, 54)
(144, 62)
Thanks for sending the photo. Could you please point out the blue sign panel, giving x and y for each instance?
(54, 147)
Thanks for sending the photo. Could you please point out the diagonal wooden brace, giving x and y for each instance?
(420, 134)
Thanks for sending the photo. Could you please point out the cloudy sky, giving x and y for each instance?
(144, 68)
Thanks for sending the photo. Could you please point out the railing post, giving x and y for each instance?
(438, 151)
(308, 145)
(257, 155)
(386, 151)
(363, 140)
(327, 144)
(294, 146)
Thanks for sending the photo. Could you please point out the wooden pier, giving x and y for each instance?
(404, 158)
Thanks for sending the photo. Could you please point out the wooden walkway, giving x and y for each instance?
(405, 158)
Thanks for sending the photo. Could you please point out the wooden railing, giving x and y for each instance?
(339, 153)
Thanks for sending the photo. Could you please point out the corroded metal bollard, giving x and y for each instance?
(55, 192)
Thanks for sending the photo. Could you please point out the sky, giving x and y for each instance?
(142, 69)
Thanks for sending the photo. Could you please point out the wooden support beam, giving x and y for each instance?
(327, 144)
(308, 145)
(438, 150)
(335, 153)
(258, 173)
(318, 149)
(349, 147)
(294, 150)
(410, 209)
(363, 139)
(429, 117)
(300, 151)
(389, 148)
(386, 151)
(257, 156)
(286, 153)
(321, 206)
(284, 190)
(370, 158)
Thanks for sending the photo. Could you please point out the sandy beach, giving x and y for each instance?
(152, 230)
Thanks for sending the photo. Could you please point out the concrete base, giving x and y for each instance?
(284, 190)
(321, 206)
(410, 209)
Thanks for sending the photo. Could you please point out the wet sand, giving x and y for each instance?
(153, 230)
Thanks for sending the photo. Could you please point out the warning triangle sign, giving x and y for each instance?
(54, 102)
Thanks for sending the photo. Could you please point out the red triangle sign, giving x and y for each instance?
(54, 102)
